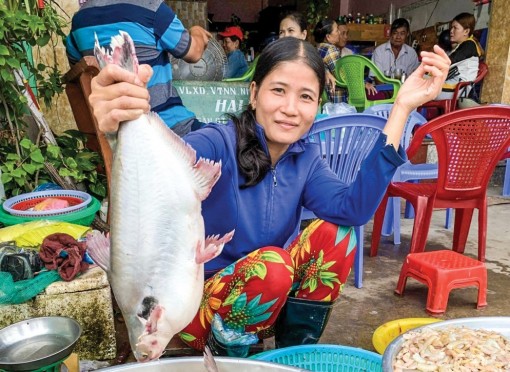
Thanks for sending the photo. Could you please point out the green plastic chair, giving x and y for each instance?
(248, 75)
(350, 70)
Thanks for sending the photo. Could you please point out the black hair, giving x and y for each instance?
(252, 159)
(297, 17)
(323, 28)
(400, 22)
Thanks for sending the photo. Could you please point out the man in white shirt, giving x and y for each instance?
(395, 53)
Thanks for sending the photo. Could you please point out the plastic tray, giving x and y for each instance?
(82, 217)
(20, 205)
(323, 357)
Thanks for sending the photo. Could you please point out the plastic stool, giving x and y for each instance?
(443, 271)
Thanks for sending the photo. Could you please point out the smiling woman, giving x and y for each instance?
(268, 175)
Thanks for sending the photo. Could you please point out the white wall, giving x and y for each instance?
(425, 13)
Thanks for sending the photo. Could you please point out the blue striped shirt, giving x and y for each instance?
(156, 31)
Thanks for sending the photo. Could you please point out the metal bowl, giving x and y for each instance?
(499, 324)
(196, 364)
(35, 343)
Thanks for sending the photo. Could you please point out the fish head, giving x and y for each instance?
(150, 347)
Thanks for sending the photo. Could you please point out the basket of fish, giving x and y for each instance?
(465, 344)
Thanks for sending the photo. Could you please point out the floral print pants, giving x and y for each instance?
(249, 293)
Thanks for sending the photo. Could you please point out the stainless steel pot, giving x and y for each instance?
(35, 343)
(192, 364)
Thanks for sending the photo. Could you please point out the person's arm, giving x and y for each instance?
(465, 50)
(199, 40)
(417, 90)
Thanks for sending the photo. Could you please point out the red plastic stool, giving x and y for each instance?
(443, 271)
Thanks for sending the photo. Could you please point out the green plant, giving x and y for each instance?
(25, 163)
(316, 10)
(38, 162)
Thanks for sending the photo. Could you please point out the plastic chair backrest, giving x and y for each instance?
(248, 75)
(469, 143)
(351, 71)
(346, 140)
(413, 120)
(482, 71)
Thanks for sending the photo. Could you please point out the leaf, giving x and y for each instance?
(37, 156)
(25, 143)
(187, 337)
(4, 51)
(6, 178)
(71, 163)
(29, 168)
(53, 151)
(272, 257)
(42, 41)
(14, 63)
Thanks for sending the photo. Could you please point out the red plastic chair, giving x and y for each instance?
(469, 143)
(448, 105)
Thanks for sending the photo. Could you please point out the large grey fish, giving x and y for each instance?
(155, 265)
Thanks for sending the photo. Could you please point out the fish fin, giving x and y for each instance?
(98, 247)
(156, 314)
(122, 52)
(209, 362)
(212, 247)
(206, 173)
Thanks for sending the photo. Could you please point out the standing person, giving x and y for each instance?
(395, 53)
(236, 64)
(268, 174)
(156, 31)
(465, 56)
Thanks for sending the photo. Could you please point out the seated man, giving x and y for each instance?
(395, 53)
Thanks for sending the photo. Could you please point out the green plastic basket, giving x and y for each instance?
(82, 217)
(323, 357)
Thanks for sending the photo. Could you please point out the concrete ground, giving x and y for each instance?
(360, 311)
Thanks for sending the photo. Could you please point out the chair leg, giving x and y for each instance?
(482, 231)
(402, 279)
(378, 221)
(506, 183)
(387, 228)
(448, 221)
(423, 209)
(358, 259)
(461, 227)
(396, 220)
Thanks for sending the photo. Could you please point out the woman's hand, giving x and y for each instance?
(371, 89)
(330, 82)
(425, 83)
(119, 95)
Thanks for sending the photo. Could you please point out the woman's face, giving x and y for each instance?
(343, 34)
(229, 45)
(289, 27)
(458, 34)
(334, 36)
(285, 106)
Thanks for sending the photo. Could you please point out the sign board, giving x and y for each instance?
(211, 100)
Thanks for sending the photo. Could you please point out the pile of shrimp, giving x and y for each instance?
(456, 349)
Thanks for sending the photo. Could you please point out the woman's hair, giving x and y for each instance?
(466, 20)
(323, 28)
(252, 159)
(297, 17)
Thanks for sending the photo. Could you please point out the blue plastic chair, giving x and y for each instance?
(506, 183)
(406, 172)
(345, 142)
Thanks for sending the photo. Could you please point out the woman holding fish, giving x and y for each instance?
(268, 174)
